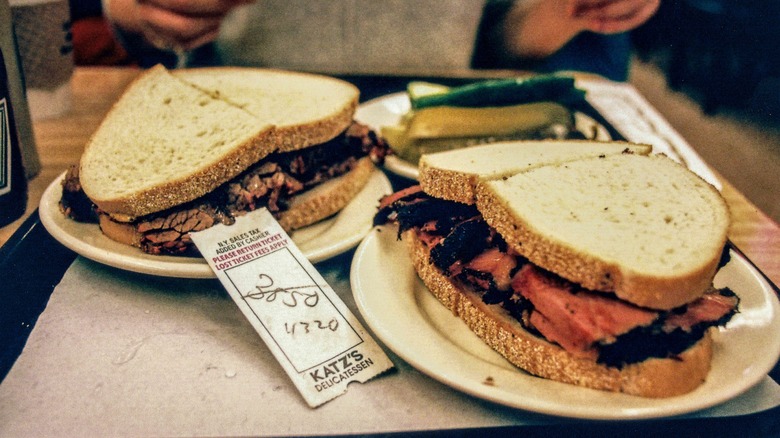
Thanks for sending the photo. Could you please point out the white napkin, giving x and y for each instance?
(123, 354)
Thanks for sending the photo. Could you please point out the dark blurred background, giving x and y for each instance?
(723, 53)
(712, 69)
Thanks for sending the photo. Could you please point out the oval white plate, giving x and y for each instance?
(388, 110)
(318, 242)
(402, 312)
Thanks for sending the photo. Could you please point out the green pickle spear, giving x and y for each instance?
(449, 121)
(444, 118)
(499, 92)
(438, 129)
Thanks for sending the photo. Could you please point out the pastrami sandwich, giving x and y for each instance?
(182, 151)
(581, 262)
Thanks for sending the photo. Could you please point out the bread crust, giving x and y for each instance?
(121, 232)
(327, 199)
(651, 378)
(448, 184)
(293, 138)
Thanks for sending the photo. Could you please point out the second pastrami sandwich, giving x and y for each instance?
(594, 270)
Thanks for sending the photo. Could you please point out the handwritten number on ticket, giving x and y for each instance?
(310, 331)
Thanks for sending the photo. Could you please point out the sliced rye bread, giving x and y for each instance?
(643, 227)
(654, 377)
(453, 175)
(167, 141)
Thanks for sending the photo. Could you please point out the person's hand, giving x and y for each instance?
(612, 16)
(171, 24)
(538, 28)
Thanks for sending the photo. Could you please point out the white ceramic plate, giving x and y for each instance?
(318, 242)
(402, 312)
(388, 110)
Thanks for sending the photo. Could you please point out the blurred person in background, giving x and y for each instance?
(361, 36)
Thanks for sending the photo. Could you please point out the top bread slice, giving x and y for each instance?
(170, 138)
(305, 109)
(643, 227)
(453, 175)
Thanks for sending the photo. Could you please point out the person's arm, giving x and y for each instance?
(537, 28)
(180, 24)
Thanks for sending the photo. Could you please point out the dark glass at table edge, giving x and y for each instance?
(32, 263)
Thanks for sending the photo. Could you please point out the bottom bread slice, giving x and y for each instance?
(654, 377)
(328, 198)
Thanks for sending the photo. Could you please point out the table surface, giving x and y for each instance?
(61, 140)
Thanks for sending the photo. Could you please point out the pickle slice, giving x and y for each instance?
(444, 118)
(453, 122)
(412, 150)
(396, 137)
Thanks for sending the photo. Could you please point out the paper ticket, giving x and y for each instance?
(310, 331)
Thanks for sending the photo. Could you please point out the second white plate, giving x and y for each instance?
(401, 311)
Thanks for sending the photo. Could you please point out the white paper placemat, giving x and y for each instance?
(123, 354)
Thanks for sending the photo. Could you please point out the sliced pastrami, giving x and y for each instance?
(711, 307)
(572, 317)
(408, 194)
(463, 243)
(614, 332)
(497, 263)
